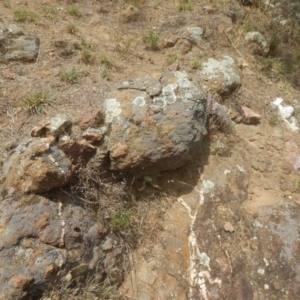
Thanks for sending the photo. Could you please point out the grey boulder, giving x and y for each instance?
(155, 125)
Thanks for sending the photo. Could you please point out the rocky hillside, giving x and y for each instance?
(149, 149)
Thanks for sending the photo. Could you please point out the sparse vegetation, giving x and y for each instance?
(129, 206)
(72, 75)
(297, 185)
(74, 11)
(196, 65)
(23, 15)
(35, 103)
(134, 2)
(105, 74)
(6, 4)
(87, 54)
(72, 28)
(151, 180)
(273, 121)
(248, 27)
(151, 40)
(123, 44)
(266, 62)
(121, 220)
(171, 58)
(106, 61)
(49, 11)
(182, 5)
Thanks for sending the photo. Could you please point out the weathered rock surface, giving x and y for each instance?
(155, 125)
(43, 242)
(56, 126)
(78, 152)
(235, 12)
(93, 118)
(221, 75)
(257, 43)
(94, 135)
(220, 243)
(36, 167)
(16, 46)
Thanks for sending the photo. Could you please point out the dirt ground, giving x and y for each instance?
(118, 53)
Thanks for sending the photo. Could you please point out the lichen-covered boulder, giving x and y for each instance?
(16, 46)
(155, 125)
(37, 167)
(220, 75)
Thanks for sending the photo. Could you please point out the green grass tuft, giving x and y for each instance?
(23, 15)
(151, 40)
(185, 5)
(72, 28)
(74, 11)
(36, 102)
(121, 220)
(273, 121)
(72, 75)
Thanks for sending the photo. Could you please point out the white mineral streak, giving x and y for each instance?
(62, 223)
(198, 277)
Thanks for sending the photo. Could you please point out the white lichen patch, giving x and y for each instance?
(183, 81)
(140, 100)
(207, 185)
(159, 101)
(204, 259)
(266, 262)
(261, 271)
(188, 97)
(168, 93)
(257, 224)
(212, 69)
(167, 96)
(112, 109)
(180, 75)
(227, 172)
(196, 32)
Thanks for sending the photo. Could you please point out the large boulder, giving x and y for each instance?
(16, 46)
(36, 167)
(43, 242)
(155, 125)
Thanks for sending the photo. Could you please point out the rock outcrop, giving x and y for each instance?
(155, 125)
(37, 167)
(44, 241)
(16, 46)
(221, 75)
